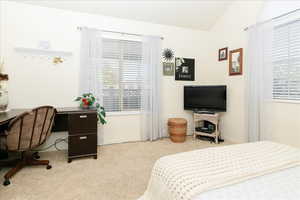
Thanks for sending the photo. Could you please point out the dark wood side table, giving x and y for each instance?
(82, 134)
(82, 128)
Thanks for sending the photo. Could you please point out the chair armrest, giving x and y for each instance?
(4, 133)
(3, 136)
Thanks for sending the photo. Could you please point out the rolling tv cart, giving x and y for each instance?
(212, 119)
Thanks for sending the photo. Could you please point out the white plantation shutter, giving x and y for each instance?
(286, 61)
(121, 75)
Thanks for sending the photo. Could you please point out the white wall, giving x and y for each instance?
(229, 32)
(1, 30)
(276, 8)
(284, 118)
(35, 81)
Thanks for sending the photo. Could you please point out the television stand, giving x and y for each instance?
(204, 112)
(213, 119)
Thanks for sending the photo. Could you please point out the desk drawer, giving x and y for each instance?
(80, 145)
(82, 123)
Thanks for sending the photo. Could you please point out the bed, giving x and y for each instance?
(260, 170)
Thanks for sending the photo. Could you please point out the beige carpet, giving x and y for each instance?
(121, 172)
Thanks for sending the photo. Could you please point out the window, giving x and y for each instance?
(121, 75)
(286, 61)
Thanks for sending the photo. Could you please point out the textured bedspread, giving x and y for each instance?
(281, 185)
(186, 175)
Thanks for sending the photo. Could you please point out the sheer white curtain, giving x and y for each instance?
(258, 79)
(151, 116)
(91, 62)
(90, 66)
(1, 31)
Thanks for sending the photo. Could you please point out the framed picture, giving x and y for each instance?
(223, 54)
(184, 69)
(168, 69)
(236, 62)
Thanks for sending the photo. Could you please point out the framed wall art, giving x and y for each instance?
(236, 62)
(223, 54)
(168, 69)
(184, 69)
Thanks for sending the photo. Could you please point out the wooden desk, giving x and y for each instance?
(80, 123)
(7, 116)
(4, 120)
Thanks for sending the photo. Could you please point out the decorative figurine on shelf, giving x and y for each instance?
(57, 60)
(3, 89)
(88, 100)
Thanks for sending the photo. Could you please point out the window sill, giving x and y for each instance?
(285, 101)
(123, 113)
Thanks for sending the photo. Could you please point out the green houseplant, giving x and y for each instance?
(88, 100)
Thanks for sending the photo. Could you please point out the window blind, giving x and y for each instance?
(286, 61)
(121, 75)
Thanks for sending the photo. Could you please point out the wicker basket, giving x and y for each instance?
(177, 129)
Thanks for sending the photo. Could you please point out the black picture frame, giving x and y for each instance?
(184, 69)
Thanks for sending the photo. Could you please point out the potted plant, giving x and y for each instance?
(87, 101)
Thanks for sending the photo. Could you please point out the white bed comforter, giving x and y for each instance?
(281, 185)
(186, 175)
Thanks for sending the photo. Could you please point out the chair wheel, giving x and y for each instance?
(36, 155)
(6, 182)
(49, 167)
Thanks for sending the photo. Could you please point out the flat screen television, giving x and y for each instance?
(205, 98)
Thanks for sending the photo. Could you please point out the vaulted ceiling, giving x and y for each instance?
(201, 14)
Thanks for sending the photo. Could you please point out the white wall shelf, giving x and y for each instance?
(43, 51)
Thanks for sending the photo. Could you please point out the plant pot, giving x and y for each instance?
(85, 106)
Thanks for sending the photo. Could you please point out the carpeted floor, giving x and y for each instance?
(121, 172)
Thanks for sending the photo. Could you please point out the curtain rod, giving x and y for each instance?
(266, 21)
(109, 31)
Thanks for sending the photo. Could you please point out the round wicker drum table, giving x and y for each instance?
(177, 129)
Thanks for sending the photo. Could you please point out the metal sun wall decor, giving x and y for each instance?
(168, 54)
(168, 65)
